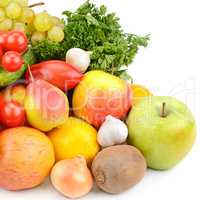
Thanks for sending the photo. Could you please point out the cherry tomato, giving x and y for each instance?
(1, 51)
(12, 61)
(2, 100)
(3, 37)
(12, 114)
(16, 41)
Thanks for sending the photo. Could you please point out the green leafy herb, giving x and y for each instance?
(95, 30)
(47, 50)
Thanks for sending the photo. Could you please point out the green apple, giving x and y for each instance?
(163, 129)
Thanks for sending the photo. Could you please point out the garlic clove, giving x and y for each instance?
(79, 58)
(112, 132)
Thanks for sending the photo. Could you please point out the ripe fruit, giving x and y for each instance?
(2, 100)
(6, 25)
(72, 177)
(139, 92)
(16, 15)
(56, 34)
(16, 93)
(16, 41)
(7, 79)
(27, 157)
(12, 114)
(163, 129)
(2, 14)
(27, 15)
(56, 72)
(4, 3)
(46, 106)
(100, 94)
(23, 3)
(42, 22)
(3, 36)
(1, 51)
(12, 61)
(19, 26)
(13, 10)
(57, 22)
(38, 36)
(75, 138)
(118, 168)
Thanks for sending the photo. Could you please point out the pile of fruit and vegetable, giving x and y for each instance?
(69, 109)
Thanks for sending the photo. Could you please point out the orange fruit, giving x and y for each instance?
(74, 138)
(139, 92)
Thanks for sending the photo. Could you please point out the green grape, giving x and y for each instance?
(4, 3)
(61, 25)
(19, 26)
(13, 10)
(38, 36)
(27, 15)
(42, 22)
(6, 25)
(23, 3)
(56, 34)
(57, 22)
(2, 14)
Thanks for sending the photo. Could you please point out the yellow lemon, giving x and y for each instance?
(74, 138)
(139, 92)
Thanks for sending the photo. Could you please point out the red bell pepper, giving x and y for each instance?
(56, 72)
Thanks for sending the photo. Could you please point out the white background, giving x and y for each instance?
(169, 66)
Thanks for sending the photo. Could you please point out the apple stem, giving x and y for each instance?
(163, 110)
(36, 4)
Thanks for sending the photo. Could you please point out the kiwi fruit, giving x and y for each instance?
(118, 168)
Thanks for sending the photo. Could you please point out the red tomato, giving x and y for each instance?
(1, 51)
(12, 61)
(16, 41)
(2, 100)
(12, 114)
(3, 37)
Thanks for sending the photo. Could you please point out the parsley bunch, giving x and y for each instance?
(93, 29)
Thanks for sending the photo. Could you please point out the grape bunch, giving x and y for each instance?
(17, 15)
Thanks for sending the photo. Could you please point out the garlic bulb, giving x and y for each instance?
(112, 132)
(78, 58)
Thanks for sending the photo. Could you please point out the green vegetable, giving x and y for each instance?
(6, 78)
(92, 29)
(47, 50)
